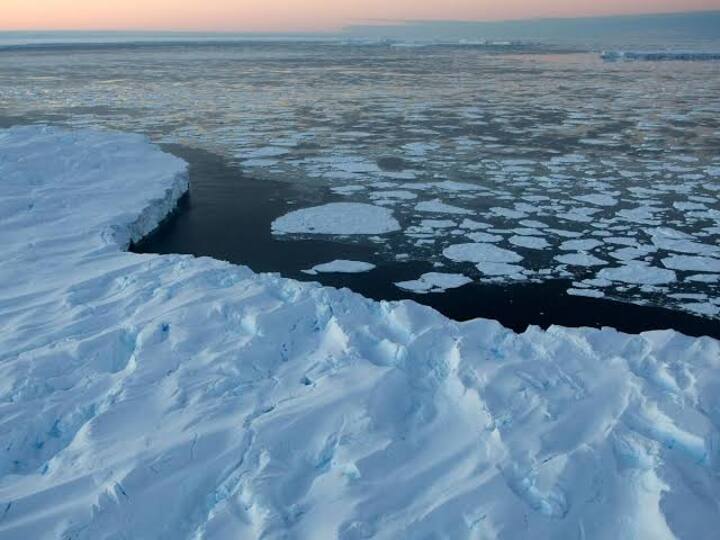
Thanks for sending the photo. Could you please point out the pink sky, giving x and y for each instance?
(300, 15)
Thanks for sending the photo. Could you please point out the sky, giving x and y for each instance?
(301, 15)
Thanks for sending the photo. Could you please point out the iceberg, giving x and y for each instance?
(168, 396)
(655, 56)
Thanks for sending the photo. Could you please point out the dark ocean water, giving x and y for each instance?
(227, 215)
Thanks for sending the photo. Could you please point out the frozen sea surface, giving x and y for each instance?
(525, 151)
(167, 396)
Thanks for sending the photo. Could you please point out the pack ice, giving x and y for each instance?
(146, 396)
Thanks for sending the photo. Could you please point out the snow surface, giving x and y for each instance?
(338, 219)
(148, 396)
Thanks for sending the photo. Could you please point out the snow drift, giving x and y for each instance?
(147, 396)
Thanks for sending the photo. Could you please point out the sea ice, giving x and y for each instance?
(434, 282)
(689, 263)
(341, 266)
(479, 253)
(580, 245)
(579, 259)
(338, 219)
(530, 242)
(638, 273)
(597, 199)
(490, 268)
(438, 207)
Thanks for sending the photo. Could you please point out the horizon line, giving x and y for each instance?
(363, 22)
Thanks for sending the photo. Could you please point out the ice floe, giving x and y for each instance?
(341, 266)
(337, 219)
(436, 206)
(434, 282)
(479, 252)
(638, 273)
(689, 263)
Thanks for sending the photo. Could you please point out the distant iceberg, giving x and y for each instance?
(655, 56)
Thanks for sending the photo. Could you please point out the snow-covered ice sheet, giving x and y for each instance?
(148, 396)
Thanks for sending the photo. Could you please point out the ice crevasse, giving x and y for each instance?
(148, 396)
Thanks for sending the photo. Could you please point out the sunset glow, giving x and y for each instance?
(300, 15)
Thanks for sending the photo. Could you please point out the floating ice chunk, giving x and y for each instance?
(629, 253)
(579, 259)
(341, 266)
(644, 215)
(348, 164)
(533, 224)
(565, 233)
(580, 245)
(685, 205)
(596, 282)
(673, 240)
(394, 194)
(490, 268)
(266, 152)
(508, 213)
(598, 199)
(480, 253)
(689, 263)
(439, 207)
(337, 219)
(483, 237)
(437, 223)
(702, 308)
(450, 185)
(474, 225)
(704, 278)
(434, 282)
(621, 241)
(530, 242)
(638, 273)
(590, 293)
(347, 190)
(526, 231)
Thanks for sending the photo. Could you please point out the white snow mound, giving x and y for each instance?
(147, 396)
